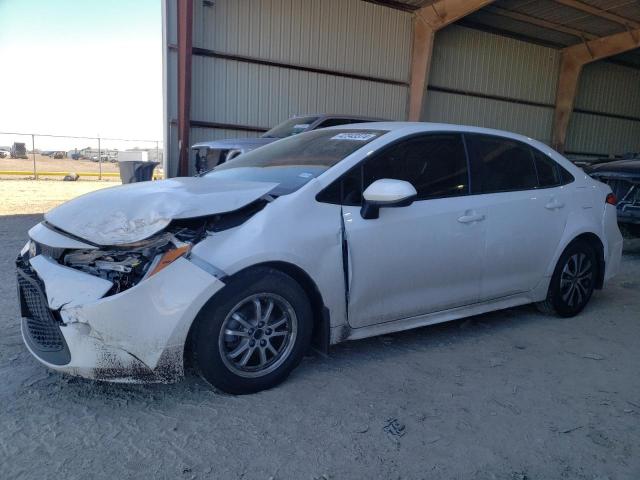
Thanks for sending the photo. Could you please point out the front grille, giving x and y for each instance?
(41, 322)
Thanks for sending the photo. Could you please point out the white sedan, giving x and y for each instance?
(327, 236)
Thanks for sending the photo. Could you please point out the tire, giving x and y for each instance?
(270, 347)
(573, 281)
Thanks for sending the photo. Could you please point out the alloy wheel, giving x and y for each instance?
(576, 280)
(258, 334)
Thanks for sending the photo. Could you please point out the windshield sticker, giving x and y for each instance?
(358, 137)
(306, 175)
(301, 126)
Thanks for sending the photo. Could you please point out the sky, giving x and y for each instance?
(81, 67)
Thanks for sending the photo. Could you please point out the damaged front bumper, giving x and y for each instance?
(137, 335)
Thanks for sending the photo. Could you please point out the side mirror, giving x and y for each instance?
(386, 192)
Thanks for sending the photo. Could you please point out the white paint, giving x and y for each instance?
(151, 317)
(131, 213)
(429, 262)
(46, 236)
(133, 156)
(67, 286)
(388, 190)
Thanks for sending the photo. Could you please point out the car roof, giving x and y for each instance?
(338, 115)
(417, 127)
(631, 166)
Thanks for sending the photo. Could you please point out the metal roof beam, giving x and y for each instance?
(426, 22)
(573, 59)
(540, 22)
(598, 12)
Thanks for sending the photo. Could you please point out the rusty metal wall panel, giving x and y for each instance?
(534, 122)
(232, 92)
(344, 35)
(486, 63)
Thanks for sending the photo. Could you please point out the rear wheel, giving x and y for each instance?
(573, 281)
(254, 333)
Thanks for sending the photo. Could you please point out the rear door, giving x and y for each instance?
(527, 212)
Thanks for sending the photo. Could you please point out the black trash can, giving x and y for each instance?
(132, 171)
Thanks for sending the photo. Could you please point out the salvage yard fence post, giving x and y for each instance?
(99, 160)
(33, 155)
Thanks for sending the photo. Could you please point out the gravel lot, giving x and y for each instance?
(30, 196)
(510, 395)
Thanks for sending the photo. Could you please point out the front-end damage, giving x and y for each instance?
(120, 312)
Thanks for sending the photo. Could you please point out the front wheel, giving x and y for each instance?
(573, 281)
(254, 333)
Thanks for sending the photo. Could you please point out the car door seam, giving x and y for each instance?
(345, 262)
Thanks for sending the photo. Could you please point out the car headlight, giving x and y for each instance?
(33, 249)
(167, 258)
(128, 265)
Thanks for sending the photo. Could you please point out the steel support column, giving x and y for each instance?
(185, 44)
(574, 58)
(427, 21)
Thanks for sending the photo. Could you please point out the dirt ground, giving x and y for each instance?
(510, 395)
(30, 196)
(45, 165)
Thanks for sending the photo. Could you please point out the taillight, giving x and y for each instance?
(611, 199)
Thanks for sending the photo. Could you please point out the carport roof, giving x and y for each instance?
(557, 23)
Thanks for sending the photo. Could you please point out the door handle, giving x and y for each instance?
(554, 205)
(470, 218)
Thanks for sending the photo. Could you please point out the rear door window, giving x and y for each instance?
(548, 170)
(501, 164)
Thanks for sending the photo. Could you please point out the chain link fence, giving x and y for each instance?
(37, 155)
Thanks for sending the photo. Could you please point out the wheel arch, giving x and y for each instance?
(321, 319)
(596, 243)
(320, 338)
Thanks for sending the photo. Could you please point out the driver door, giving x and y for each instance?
(422, 258)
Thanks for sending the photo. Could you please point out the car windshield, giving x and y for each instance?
(290, 127)
(294, 161)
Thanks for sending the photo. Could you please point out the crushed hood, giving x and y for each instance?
(131, 213)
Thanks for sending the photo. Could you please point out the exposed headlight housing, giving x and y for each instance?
(127, 265)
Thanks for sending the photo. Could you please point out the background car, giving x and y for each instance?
(623, 176)
(212, 153)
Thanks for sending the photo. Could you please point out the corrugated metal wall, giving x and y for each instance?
(489, 80)
(470, 66)
(232, 92)
(345, 36)
(608, 89)
(477, 78)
